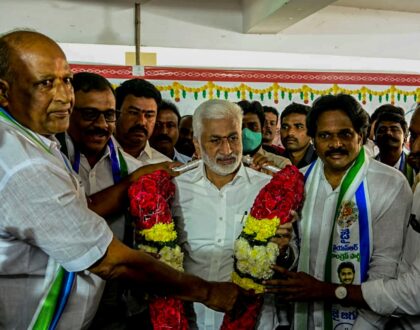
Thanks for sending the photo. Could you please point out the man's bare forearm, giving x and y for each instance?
(157, 277)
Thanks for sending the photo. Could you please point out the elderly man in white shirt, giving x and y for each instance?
(212, 200)
(51, 245)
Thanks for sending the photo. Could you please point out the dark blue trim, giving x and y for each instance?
(63, 298)
(309, 170)
(363, 233)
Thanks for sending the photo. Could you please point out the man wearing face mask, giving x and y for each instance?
(252, 124)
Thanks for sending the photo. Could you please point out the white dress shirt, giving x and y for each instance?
(150, 155)
(208, 222)
(100, 177)
(400, 296)
(390, 200)
(43, 214)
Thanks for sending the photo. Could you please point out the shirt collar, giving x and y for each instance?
(147, 150)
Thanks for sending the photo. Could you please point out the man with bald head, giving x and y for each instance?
(54, 251)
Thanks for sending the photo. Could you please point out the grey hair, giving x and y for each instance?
(215, 109)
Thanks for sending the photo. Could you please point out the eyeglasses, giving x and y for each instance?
(91, 114)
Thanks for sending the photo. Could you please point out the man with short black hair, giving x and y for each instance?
(356, 210)
(294, 137)
(346, 272)
(166, 132)
(391, 133)
(398, 296)
(137, 103)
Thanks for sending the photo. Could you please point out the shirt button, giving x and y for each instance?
(221, 219)
(219, 240)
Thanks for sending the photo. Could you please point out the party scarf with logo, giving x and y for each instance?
(349, 240)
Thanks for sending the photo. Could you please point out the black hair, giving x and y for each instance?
(295, 108)
(88, 81)
(254, 107)
(138, 88)
(272, 110)
(343, 102)
(386, 108)
(393, 117)
(346, 264)
(166, 105)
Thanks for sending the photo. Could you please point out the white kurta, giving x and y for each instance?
(390, 200)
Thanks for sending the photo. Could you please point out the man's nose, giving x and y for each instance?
(225, 147)
(101, 122)
(335, 141)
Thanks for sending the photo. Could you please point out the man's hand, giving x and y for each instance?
(259, 161)
(299, 286)
(167, 167)
(283, 236)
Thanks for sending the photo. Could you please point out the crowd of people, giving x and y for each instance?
(71, 146)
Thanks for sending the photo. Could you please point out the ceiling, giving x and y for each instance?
(364, 28)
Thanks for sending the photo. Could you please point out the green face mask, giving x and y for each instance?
(250, 140)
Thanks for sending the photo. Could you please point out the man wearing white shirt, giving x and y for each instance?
(101, 163)
(51, 245)
(391, 133)
(211, 203)
(166, 132)
(137, 103)
(400, 296)
(356, 210)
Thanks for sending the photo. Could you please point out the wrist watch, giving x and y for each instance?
(340, 292)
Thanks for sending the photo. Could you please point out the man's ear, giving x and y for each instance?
(197, 148)
(4, 93)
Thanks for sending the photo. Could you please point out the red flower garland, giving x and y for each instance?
(150, 200)
(283, 194)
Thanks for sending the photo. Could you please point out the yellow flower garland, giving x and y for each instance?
(247, 283)
(263, 229)
(160, 232)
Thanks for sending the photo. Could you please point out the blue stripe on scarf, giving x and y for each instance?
(63, 298)
(309, 171)
(363, 232)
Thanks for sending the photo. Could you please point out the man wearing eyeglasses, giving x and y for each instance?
(102, 164)
(137, 102)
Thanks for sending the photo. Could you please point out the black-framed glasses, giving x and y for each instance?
(92, 114)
